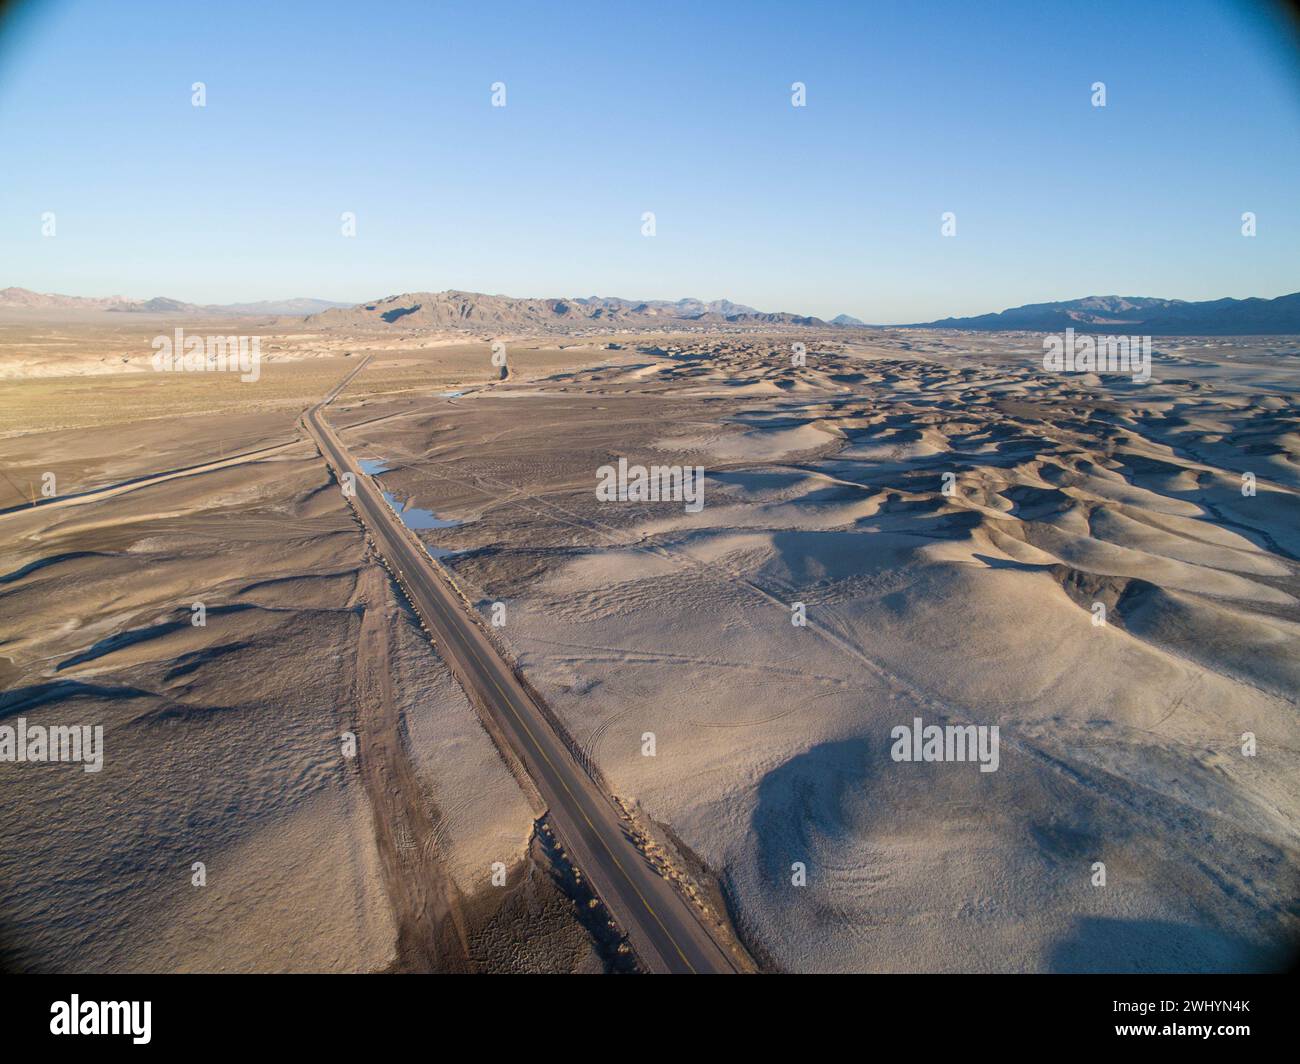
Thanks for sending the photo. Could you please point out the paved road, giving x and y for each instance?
(661, 925)
(145, 481)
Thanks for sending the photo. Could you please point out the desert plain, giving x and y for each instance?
(1104, 570)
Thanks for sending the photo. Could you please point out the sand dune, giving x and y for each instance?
(1121, 743)
(222, 743)
(950, 517)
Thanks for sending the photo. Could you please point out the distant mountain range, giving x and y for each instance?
(1141, 314)
(454, 309)
(25, 298)
(474, 310)
(449, 309)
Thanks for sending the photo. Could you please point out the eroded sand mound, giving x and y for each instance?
(224, 744)
(952, 520)
(952, 523)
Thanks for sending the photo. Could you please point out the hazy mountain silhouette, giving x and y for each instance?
(1141, 314)
(453, 309)
(24, 297)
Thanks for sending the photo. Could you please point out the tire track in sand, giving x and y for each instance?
(427, 904)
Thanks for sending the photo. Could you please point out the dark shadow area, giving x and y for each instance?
(803, 798)
(1108, 945)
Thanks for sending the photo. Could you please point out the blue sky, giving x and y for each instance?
(614, 109)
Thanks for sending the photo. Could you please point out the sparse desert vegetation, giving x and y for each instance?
(824, 485)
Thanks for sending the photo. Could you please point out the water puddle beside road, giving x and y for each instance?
(415, 518)
(412, 516)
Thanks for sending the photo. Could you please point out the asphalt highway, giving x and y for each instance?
(662, 926)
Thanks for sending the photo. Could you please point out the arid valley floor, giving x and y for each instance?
(961, 599)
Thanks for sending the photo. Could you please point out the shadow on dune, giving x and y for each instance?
(121, 640)
(801, 801)
(1109, 945)
(1008, 563)
(25, 699)
(42, 563)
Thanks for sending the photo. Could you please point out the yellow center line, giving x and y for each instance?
(565, 785)
(469, 644)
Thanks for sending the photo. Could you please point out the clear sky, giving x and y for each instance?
(614, 109)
